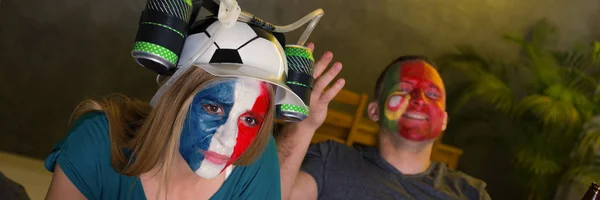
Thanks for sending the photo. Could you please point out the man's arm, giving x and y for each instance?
(294, 139)
(292, 146)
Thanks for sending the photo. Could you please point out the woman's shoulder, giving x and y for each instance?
(84, 157)
(88, 136)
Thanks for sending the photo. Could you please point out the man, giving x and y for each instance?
(409, 106)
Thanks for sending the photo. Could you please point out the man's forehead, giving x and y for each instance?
(415, 69)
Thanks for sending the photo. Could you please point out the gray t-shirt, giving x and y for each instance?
(345, 173)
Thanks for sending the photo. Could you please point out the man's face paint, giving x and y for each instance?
(222, 122)
(413, 101)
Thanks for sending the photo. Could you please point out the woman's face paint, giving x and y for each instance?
(222, 122)
(413, 101)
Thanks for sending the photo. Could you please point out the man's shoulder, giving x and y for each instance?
(333, 147)
(334, 153)
(469, 185)
(329, 144)
(464, 177)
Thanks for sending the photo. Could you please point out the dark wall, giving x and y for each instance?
(55, 53)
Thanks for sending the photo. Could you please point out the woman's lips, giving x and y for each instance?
(215, 158)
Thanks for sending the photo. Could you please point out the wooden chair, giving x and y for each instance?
(343, 126)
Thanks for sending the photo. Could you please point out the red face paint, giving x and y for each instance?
(419, 84)
(249, 124)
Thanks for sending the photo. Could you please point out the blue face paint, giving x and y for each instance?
(208, 111)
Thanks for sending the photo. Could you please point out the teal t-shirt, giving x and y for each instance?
(84, 156)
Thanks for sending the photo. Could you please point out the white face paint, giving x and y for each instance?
(223, 121)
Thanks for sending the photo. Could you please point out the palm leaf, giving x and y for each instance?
(463, 99)
(596, 96)
(589, 145)
(515, 39)
(580, 78)
(467, 60)
(492, 90)
(569, 94)
(536, 163)
(596, 51)
(486, 84)
(570, 59)
(549, 110)
(586, 173)
(545, 68)
(541, 62)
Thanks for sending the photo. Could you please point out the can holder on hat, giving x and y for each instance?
(299, 78)
(162, 30)
(165, 24)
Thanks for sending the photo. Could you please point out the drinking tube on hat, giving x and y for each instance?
(300, 69)
(300, 59)
(162, 31)
(300, 63)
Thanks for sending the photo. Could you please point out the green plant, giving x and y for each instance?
(548, 96)
(585, 162)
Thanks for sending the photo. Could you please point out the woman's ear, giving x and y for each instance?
(373, 111)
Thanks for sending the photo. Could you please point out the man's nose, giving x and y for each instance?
(418, 98)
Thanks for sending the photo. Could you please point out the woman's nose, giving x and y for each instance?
(227, 135)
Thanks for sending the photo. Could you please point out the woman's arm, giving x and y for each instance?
(62, 188)
(81, 161)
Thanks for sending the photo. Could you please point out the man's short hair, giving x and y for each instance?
(379, 83)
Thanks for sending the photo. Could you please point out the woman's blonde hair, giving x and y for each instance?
(152, 135)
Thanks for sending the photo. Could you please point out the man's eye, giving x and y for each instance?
(213, 109)
(433, 95)
(249, 121)
(404, 90)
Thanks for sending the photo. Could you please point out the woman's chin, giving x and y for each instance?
(209, 170)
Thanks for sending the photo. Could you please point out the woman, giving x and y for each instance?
(203, 138)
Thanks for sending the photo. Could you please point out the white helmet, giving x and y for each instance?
(242, 50)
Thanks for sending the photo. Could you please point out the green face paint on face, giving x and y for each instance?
(391, 81)
(412, 101)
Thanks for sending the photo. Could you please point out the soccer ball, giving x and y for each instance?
(251, 50)
(246, 51)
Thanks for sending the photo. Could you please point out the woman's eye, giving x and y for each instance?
(213, 109)
(249, 121)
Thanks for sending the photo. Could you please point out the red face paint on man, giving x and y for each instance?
(413, 101)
